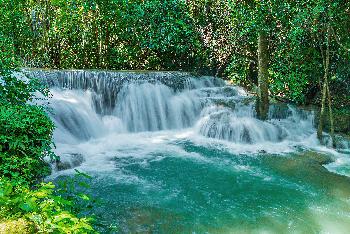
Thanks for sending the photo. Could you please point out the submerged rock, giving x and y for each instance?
(317, 157)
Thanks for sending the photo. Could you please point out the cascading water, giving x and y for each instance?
(214, 109)
(175, 153)
(153, 107)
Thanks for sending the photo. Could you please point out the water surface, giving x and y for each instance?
(191, 157)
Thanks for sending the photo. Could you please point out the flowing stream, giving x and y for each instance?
(174, 153)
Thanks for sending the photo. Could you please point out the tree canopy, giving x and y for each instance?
(209, 36)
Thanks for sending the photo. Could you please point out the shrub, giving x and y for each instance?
(25, 140)
(25, 143)
(39, 210)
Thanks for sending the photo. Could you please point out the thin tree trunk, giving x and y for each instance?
(331, 119)
(323, 104)
(324, 90)
(106, 54)
(263, 92)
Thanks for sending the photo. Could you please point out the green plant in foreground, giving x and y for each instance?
(25, 130)
(27, 206)
(40, 210)
(25, 140)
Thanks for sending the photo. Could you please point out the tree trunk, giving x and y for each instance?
(325, 90)
(331, 119)
(323, 104)
(263, 92)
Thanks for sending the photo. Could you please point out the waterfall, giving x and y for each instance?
(91, 104)
(153, 140)
(76, 118)
(128, 107)
(152, 107)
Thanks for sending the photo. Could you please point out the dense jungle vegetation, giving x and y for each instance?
(215, 37)
(294, 51)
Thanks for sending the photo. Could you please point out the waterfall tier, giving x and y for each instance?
(92, 104)
(154, 140)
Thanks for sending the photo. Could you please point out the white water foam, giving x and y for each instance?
(149, 117)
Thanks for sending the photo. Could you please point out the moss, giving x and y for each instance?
(317, 157)
(19, 226)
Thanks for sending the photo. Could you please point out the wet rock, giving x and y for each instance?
(342, 142)
(229, 91)
(279, 111)
(249, 100)
(69, 161)
(229, 103)
(224, 124)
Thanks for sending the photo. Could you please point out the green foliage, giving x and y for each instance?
(20, 90)
(25, 130)
(26, 144)
(45, 211)
(297, 35)
(215, 37)
(114, 34)
(76, 190)
(25, 141)
(6, 55)
(16, 226)
(153, 35)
